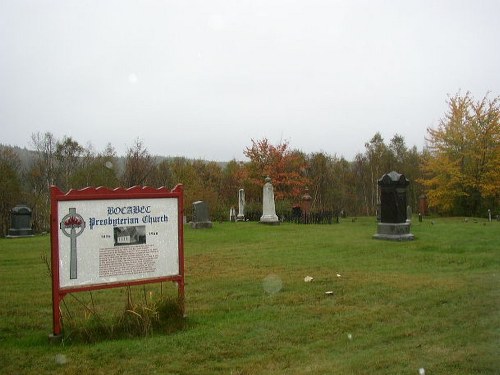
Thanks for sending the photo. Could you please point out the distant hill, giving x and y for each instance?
(26, 157)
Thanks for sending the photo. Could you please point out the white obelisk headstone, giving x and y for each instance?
(241, 205)
(268, 207)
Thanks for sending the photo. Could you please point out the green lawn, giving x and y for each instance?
(396, 307)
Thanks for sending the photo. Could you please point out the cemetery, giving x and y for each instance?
(266, 299)
(249, 188)
(305, 264)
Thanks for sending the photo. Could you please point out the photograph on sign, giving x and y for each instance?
(117, 240)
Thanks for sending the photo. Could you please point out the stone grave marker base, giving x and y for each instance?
(201, 225)
(394, 232)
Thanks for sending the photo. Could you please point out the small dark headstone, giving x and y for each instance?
(20, 219)
(200, 216)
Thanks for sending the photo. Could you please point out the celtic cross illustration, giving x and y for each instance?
(72, 225)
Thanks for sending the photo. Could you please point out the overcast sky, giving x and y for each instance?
(202, 78)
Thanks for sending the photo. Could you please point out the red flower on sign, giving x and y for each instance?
(73, 221)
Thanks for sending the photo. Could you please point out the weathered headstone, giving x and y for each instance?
(241, 205)
(268, 206)
(408, 214)
(200, 216)
(393, 224)
(20, 222)
(232, 214)
(489, 215)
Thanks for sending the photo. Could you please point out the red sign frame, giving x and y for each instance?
(102, 193)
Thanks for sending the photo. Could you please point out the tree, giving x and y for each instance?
(330, 178)
(10, 186)
(40, 175)
(202, 181)
(233, 178)
(139, 165)
(378, 159)
(97, 170)
(397, 153)
(68, 155)
(462, 165)
(362, 184)
(285, 167)
(320, 173)
(45, 161)
(407, 162)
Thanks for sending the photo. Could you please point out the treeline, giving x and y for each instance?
(459, 171)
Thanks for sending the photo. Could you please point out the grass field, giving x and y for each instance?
(431, 305)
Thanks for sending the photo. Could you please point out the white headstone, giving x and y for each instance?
(268, 207)
(241, 205)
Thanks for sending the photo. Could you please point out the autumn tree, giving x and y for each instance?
(285, 167)
(462, 165)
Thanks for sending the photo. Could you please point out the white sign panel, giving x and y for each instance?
(117, 240)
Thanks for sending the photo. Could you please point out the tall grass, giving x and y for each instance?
(396, 308)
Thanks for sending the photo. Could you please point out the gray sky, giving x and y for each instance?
(202, 78)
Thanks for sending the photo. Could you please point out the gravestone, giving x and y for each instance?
(20, 222)
(200, 216)
(393, 224)
(408, 214)
(241, 205)
(268, 206)
(232, 214)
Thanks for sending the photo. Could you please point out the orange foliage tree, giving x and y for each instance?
(286, 167)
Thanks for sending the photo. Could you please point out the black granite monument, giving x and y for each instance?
(393, 224)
